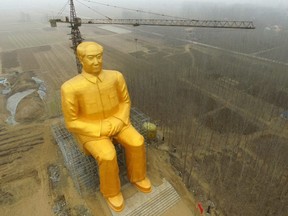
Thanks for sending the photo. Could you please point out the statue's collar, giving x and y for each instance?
(93, 78)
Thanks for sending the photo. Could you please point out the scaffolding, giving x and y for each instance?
(82, 168)
(138, 119)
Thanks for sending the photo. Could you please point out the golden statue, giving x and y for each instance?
(96, 108)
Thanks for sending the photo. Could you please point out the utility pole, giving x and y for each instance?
(75, 33)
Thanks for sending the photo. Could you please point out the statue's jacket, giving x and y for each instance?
(89, 99)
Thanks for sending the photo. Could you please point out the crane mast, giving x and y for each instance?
(75, 22)
(75, 32)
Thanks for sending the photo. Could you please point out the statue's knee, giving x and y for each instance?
(138, 141)
(107, 155)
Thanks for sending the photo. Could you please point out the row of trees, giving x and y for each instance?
(216, 124)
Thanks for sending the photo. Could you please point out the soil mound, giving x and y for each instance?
(31, 108)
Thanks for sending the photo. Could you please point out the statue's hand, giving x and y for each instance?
(117, 125)
(106, 127)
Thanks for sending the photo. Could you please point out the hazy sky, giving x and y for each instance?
(27, 3)
(52, 7)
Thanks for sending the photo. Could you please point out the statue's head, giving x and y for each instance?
(90, 55)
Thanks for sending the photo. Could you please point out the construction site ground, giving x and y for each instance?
(27, 152)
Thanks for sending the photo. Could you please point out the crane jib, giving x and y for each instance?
(161, 22)
(185, 23)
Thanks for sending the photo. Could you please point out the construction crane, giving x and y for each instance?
(75, 22)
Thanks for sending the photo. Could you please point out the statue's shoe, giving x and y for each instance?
(144, 185)
(116, 203)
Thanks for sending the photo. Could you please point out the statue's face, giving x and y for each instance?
(92, 61)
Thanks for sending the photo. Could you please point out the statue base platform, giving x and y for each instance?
(159, 202)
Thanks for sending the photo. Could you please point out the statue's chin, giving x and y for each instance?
(97, 72)
(93, 72)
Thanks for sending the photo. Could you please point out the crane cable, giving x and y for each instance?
(135, 10)
(94, 10)
(62, 9)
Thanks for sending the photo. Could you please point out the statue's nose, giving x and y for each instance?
(95, 61)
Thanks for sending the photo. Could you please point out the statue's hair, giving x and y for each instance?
(81, 48)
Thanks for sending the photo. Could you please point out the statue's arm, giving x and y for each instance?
(70, 109)
(124, 100)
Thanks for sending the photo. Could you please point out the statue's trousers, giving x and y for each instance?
(104, 152)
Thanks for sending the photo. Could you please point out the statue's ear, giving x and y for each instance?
(80, 59)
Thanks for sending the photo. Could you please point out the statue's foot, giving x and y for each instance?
(116, 203)
(144, 185)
